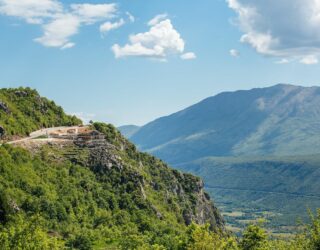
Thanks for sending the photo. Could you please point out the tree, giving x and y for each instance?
(254, 238)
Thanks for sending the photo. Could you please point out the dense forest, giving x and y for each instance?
(48, 202)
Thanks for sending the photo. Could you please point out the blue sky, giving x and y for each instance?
(137, 84)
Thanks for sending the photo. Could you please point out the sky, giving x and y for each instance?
(132, 61)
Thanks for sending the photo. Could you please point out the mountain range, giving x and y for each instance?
(279, 120)
(257, 150)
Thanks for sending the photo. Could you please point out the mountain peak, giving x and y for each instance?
(275, 120)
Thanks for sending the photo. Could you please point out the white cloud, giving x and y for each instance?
(309, 60)
(157, 19)
(159, 42)
(68, 46)
(234, 53)
(59, 23)
(91, 13)
(32, 11)
(58, 32)
(283, 61)
(107, 26)
(285, 29)
(131, 17)
(188, 56)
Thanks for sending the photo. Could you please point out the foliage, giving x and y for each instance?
(27, 233)
(280, 189)
(24, 111)
(80, 206)
(201, 237)
(254, 238)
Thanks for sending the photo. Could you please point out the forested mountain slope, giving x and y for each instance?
(92, 192)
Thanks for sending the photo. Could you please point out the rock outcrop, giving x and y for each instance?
(4, 107)
(2, 132)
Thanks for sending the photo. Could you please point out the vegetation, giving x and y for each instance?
(280, 189)
(277, 120)
(254, 237)
(225, 139)
(94, 198)
(53, 199)
(23, 111)
(107, 195)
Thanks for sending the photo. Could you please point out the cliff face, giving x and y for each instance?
(117, 161)
(188, 191)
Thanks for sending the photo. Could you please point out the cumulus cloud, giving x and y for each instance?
(107, 26)
(159, 42)
(286, 28)
(188, 56)
(234, 53)
(59, 23)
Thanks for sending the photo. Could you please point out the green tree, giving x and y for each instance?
(254, 238)
(25, 234)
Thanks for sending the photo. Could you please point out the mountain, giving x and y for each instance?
(128, 130)
(257, 151)
(23, 110)
(87, 187)
(278, 120)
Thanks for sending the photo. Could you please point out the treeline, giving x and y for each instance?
(31, 233)
(254, 237)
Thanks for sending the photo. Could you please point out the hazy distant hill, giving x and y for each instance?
(128, 130)
(279, 120)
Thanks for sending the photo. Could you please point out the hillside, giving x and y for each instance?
(257, 151)
(128, 130)
(94, 190)
(281, 189)
(279, 120)
(23, 110)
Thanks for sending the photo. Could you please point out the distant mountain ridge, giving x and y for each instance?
(128, 130)
(279, 120)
